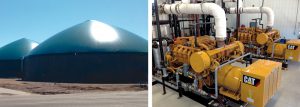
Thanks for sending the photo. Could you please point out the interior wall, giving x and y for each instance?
(286, 20)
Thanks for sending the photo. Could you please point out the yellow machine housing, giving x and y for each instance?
(210, 59)
(183, 47)
(257, 36)
(229, 80)
(289, 51)
(204, 61)
(181, 53)
(293, 50)
(255, 84)
(279, 50)
(234, 82)
(260, 38)
(260, 82)
(203, 42)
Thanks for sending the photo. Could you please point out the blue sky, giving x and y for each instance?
(40, 19)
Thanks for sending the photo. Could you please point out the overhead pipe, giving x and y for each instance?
(202, 8)
(266, 10)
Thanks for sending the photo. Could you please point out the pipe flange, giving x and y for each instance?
(171, 10)
(161, 8)
(201, 7)
(227, 10)
(241, 10)
(177, 8)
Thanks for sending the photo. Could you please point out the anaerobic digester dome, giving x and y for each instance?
(90, 52)
(11, 56)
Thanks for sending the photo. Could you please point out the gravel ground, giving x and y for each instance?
(47, 88)
(88, 99)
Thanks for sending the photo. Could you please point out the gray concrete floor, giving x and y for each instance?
(288, 94)
(170, 99)
(97, 99)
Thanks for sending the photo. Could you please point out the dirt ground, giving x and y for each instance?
(47, 88)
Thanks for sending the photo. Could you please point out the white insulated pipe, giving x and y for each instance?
(266, 10)
(201, 8)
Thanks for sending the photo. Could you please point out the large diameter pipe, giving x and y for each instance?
(202, 8)
(266, 10)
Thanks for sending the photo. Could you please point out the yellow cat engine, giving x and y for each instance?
(289, 50)
(293, 50)
(279, 50)
(260, 81)
(255, 84)
(203, 42)
(257, 36)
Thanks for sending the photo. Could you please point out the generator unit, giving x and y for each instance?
(204, 60)
(255, 84)
(260, 83)
(265, 43)
(288, 50)
(199, 71)
(256, 40)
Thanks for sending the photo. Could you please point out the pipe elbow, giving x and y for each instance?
(220, 20)
(266, 10)
(270, 15)
(203, 8)
(217, 10)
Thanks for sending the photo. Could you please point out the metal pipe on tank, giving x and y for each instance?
(156, 51)
(156, 56)
(160, 46)
(165, 31)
